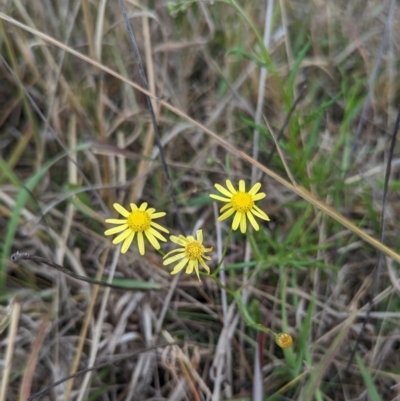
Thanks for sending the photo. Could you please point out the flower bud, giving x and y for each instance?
(284, 340)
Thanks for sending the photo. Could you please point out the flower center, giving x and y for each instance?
(242, 202)
(139, 221)
(194, 250)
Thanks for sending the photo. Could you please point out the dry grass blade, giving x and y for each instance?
(98, 366)
(98, 327)
(85, 326)
(12, 333)
(28, 378)
(373, 78)
(149, 97)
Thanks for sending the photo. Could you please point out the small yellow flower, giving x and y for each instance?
(192, 253)
(139, 220)
(242, 203)
(284, 340)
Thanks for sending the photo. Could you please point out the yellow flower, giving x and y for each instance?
(139, 220)
(191, 253)
(242, 203)
(284, 340)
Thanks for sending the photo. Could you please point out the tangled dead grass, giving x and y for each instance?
(176, 339)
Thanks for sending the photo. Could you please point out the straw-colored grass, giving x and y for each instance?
(300, 96)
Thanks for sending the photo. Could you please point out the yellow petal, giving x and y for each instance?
(140, 243)
(177, 240)
(127, 243)
(199, 236)
(174, 258)
(121, 210)
(158, 227)
(255, 188)
(180, 266)
(205, 267)
(230, 186)
(116, 230)
(259, 196)
(223, 208)
(223, 190)
(226, 214)
(167, 255)
(156, 234)
(121, 237)
(143, 206)
(190, 266)
(236, 220)
(259, 213)
(220, 198)
(243, 223)
(252, 221)
(196, 269)
(156, 215)
(242, 186)
(116, 221)
(152, 239)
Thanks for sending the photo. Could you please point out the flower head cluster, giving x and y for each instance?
(240, 203)
(191, 254)
(137, 221)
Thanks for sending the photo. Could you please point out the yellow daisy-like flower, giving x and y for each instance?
(284, 340)
(138, 221)
(192, 253)
(242, 203)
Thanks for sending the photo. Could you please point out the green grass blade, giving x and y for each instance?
(136, 284)
(368, 380)
(22, 198)
(7, 172)
(312, 386)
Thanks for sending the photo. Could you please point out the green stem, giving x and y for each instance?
(246, 315)
(227, 242)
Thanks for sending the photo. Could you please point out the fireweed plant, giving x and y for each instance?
(191, 253)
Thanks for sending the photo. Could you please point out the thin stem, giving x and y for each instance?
(151, 111)
(227, 242)
(15, 257)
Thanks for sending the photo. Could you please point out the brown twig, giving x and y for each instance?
(15, 257)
